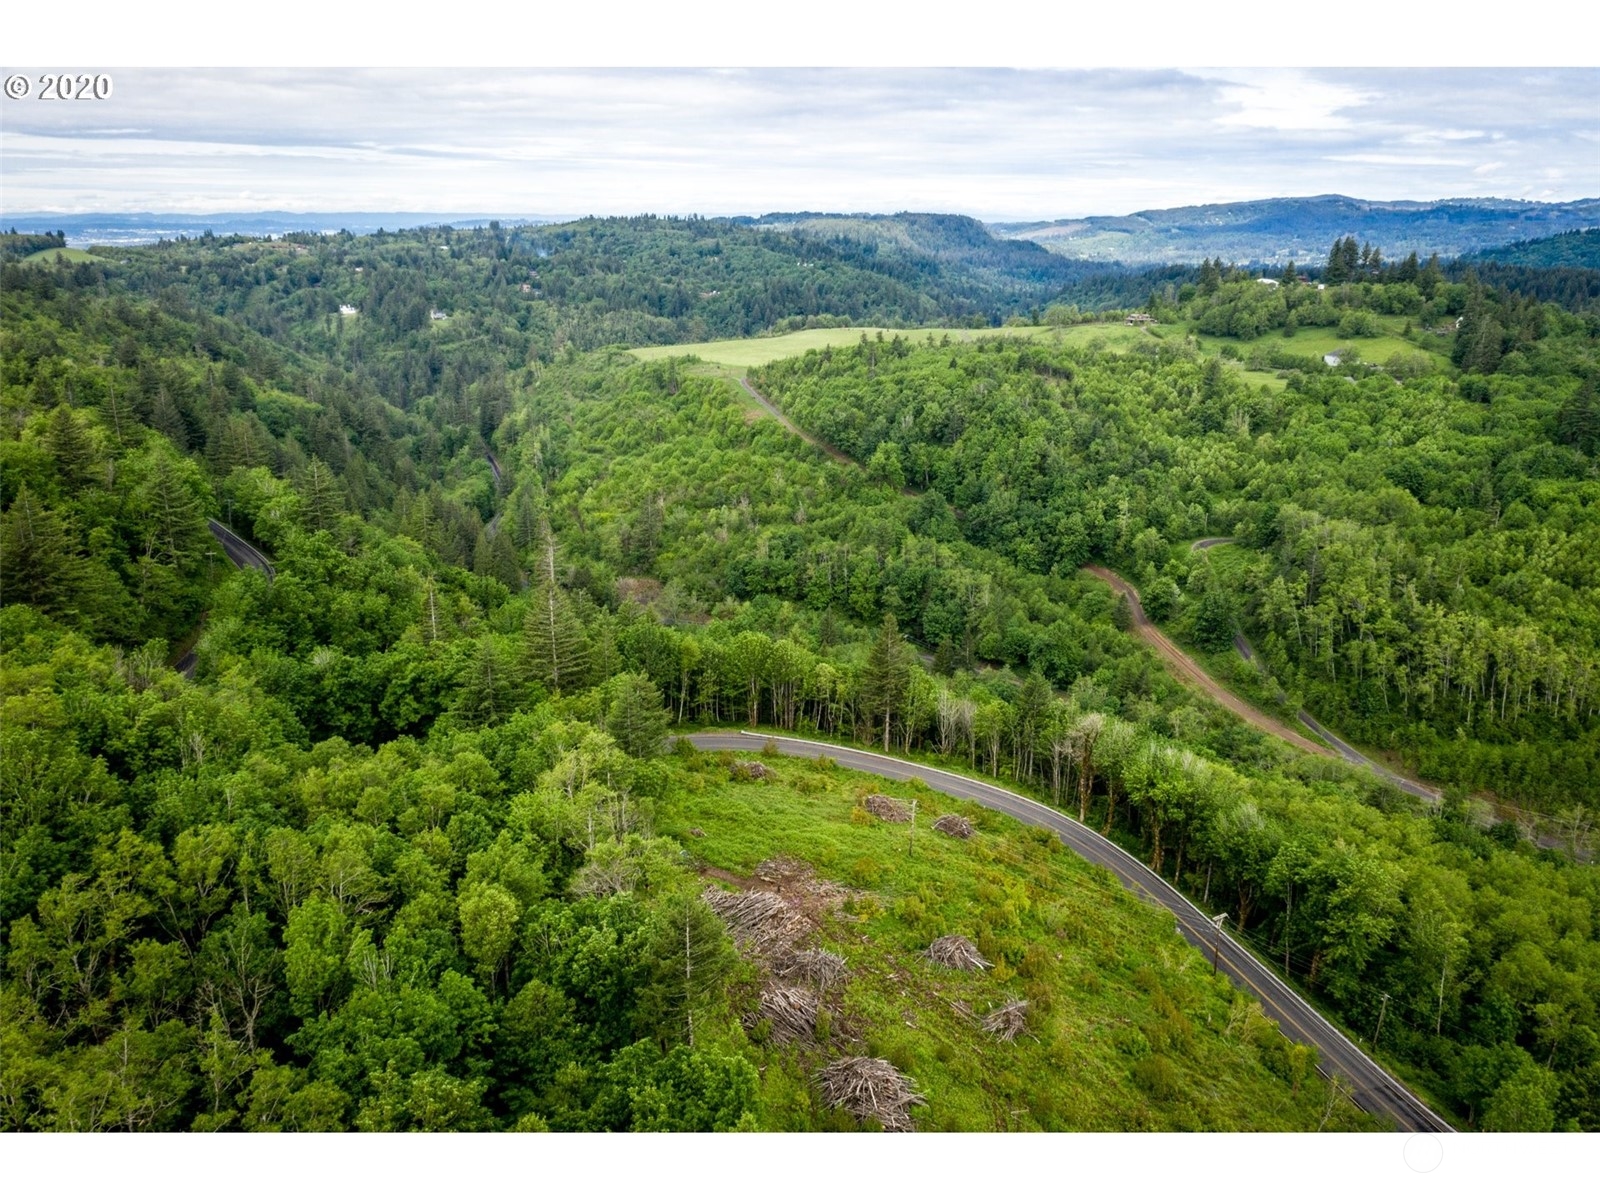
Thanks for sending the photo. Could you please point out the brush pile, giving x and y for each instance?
(822, 969)
(956, 827)
(791, 1012)
(957, 953)
(870, 1088)
(760, 922)
(1006, 1021)
(885, 808)
(751, 770)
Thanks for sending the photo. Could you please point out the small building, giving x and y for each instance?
(527, 287)
(438, 315)
(1272, 283)
(1332, 360)
(348, 310)
(1140, 319)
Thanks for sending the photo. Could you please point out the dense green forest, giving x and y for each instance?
(406, 851)
(1425, 568)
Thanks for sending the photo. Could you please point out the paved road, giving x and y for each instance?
(240, 552)
(1371, 1086)
(242, 555)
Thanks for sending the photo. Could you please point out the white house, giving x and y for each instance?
(348, 310)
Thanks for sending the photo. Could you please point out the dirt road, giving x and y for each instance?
(1186, 669)
(773, 411)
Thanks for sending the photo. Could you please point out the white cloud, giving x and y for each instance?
(993, 143)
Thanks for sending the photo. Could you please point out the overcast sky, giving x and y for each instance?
(992, 143)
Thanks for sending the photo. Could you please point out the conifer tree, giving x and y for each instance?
(556, 648)
(172, 511)
(70, 447)
(168, 421)
(1578, 420)
(887, 677)
(486, 688)
(637, 719)
(320, 491)
(39, 562)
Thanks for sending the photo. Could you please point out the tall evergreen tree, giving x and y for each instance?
(487, 685)
(886, 678)
(173, 524)
(322, 496)
(557, 651)
(1578, 420)
(39, 561)
(70, 447)
(637, 719)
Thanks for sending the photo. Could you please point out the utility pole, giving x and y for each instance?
(1438, 1020)
(1382, 1008)
(1287, 916)
(912, 845)
(1217, 923)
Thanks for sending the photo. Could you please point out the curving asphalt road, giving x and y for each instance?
(1371, 1086)
(242, 555)
(240, 552)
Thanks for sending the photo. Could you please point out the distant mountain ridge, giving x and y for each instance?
(1302, 228)
(137, 228)
(1578, 249)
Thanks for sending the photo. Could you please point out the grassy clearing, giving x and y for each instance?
(1128, 1028)
(1314, 342)
(744, 353)
(68, 255)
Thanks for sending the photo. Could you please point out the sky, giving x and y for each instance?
(997, 144)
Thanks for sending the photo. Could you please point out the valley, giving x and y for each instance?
(455, 808)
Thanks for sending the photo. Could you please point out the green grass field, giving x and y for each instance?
(1128, 1028)
(68, 255)
(1314, 342)
(744, 353)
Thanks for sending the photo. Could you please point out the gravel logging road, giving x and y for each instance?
(1370, 1085)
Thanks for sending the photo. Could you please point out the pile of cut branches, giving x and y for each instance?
(958, 953)
(1006, 1021)
(956, 827)
(791, 1012)
(751, 770)
(885, 808)
(870, 1087)
(823, 969)
(760, 922)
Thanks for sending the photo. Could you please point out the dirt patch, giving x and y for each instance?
(639, 589)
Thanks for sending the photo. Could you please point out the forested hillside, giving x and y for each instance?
(406, 851)
(1424, 567)
(1294, 227)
